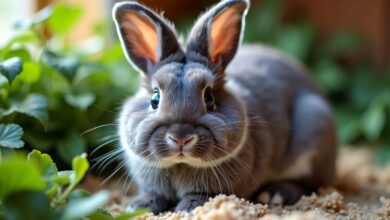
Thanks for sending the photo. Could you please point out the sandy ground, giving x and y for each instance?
(362, 191)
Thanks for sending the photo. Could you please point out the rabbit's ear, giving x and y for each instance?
(145, 37)
(218, 33)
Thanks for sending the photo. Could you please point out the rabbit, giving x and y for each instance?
(213, 116)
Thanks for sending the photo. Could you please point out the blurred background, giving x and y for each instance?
(75, 76)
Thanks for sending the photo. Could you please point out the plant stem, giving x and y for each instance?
(65, 194)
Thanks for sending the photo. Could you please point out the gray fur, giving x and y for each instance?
(263, 100)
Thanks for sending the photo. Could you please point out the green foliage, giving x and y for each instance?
(29, 188)
(71, 146)
(374, 120)
(43, 163)
(11, 180)
(50, 92)
(10, 136)
(34, 105)
(366, 115)
(66, 88)
(80, 165)
(123, 216)
(85, 206)
(66, 65)
(11, 68)
(28, 205)
(63, 18)
(33, 188)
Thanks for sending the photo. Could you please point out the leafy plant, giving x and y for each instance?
(50, 92)
(33, 188)
(10, 136)
(11, 68)
(32, 184)
(55, 90)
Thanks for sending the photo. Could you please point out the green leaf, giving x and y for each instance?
(52, 190)
(83, 207)
(348, 124)
(72, 146)
(21, 53)
(296, 40)
(113, 54)
(343, 43)
(131, 215)
(22, 38)
(80, 165)
(44, 163)
(39, 140)
(2, 211)
(79, 194)
(80, 101)
(4, 84)
(64, 177)
(66, 65)
(28, 205)
(33, 105)
(329, 75)
(364, 86)
(98, 215)
(63, 18)
(11, 68)
(19, 175)
(374, 120)
(266, 21)
(31, 73)
(10, 136)
(383, 155)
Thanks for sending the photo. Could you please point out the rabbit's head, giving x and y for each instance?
(184, 112)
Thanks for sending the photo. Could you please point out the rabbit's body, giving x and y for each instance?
(291, 123)
(200, 127)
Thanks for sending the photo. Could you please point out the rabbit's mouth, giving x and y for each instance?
(207, 160)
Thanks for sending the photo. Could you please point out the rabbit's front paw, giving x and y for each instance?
(190, 202)
(281, 193)
(156, 204)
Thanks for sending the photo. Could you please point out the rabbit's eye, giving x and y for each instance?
(155, 99)
(209, 100)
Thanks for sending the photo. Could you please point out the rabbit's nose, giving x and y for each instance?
(181, 142)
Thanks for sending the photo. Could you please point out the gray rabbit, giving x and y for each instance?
(215, 117)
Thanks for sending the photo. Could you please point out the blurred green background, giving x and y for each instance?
(65, 92)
